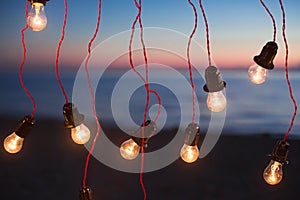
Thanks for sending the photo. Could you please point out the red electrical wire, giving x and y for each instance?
(23, 62)
(130, 45)
(139, 6)
(58, 52)
(92, 94)
(189, 61)
(272, 17)
(146, 83)
(287, 72)
(207, 33)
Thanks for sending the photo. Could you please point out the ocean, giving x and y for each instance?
(251, 109)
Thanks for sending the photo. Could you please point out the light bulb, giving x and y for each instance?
(37, 19)
(273, 173)
(216, 101)
(129, 149)
(13, 143)
(257, 74)
(80, 134)
(189, 153)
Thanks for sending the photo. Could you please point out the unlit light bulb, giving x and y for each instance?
(273, 173)
(13, 143)
(80, 134)
(216, 101)
(129, 149)
(189, 153)
(37, 19)
(257, 74)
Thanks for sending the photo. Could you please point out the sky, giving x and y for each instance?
(238, 30)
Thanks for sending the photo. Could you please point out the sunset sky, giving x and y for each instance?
(238, 29)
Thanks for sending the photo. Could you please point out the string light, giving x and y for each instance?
(258, 72)
(216, 101)
(73, 119)
(14, 142)
(138, 19)
(273, 173)
(130, 149)
(37, 19)
(189, 152)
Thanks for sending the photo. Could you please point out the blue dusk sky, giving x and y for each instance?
(238, 29)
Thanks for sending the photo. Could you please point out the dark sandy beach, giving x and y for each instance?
(50, 167)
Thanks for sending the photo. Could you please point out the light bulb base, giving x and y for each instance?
(72, 117)
(25, 127)
(280, 152)
(85, 193)
(39, 1)
(267, 55)
(214, 82)
(149, 130)
(192, 134)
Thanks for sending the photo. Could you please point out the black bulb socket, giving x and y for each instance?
(149, 130)
(72, 117)
(266, 56)
(280, 152)
(214, 82)
(85, 193)
(39, 1)
(192, 134)
(25, 127)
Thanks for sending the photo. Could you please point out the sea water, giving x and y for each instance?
(251, 109)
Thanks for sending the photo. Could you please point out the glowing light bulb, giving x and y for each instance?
(129, 149)
(37, 19)
(189, 153)
(13, 143)
(74, 121)
(273, 173)
(216, 101)
(80, 134)
(257, 74)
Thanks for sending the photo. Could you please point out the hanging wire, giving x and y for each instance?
(58, 52)
(207, 33)
(287, 72)
(138, 19)
(139, 7)
(272, 17)
(189, 61)
(92, 94)
(147, 100)
(22, 65)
